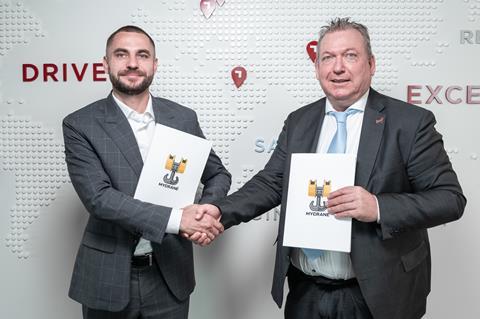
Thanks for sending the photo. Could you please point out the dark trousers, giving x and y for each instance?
(323, 298)
(150, 298)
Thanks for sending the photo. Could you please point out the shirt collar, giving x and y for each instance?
(360, 104)
(131, 113)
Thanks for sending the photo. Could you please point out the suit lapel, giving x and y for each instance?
(163, 114)
(120, 131)
(308, 128)
(372, 131)
(317, 122)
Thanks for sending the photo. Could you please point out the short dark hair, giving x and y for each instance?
(341, 24)
(129, 28)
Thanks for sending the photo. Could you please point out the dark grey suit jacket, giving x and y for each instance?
(104, 164)
(401, 159)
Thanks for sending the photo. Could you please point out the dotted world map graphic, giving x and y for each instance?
(266, 38)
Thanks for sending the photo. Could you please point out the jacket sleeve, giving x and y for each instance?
(216, 179)
(261, 193)
(94, 187)
(435, 197)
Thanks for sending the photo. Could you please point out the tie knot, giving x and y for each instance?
(341, 117)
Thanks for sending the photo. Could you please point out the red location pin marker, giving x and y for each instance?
(207, 7)
(312, 50)
(220, 2)
(239, 75)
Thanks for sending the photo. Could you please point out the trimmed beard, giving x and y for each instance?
(130, 90)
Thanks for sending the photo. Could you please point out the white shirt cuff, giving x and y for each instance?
(173, 226)
(378, 210)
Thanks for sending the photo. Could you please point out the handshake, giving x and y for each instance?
(201, 223)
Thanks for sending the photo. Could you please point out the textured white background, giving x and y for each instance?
(41, 218)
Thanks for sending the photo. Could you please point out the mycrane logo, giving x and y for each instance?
(318, 206)
(170, 180)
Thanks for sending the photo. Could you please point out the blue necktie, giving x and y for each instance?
(337, 145)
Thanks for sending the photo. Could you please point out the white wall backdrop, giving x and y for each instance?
(48, 51)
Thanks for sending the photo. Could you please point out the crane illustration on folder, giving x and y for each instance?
(319, 192)
(174, 167)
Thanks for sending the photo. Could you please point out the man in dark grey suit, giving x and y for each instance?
(132, 263)
(404, 184)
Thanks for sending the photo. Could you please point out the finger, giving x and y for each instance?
(185, 235)
(214, 211)
(204, 241)
(218, 226)
(340, 192)
(201, 238)
(343, 199)
(196, 236)
(341, 208)
(211, 225)
(214, 230)
(210, 235)
(200, 212)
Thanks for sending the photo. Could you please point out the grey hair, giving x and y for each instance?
(341, 24)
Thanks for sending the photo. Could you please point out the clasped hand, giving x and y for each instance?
(200, 223)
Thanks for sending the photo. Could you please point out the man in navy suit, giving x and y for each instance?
(404, 184)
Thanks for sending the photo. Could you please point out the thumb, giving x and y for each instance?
(200, 212)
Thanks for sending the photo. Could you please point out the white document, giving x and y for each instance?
(307, 222)
(173, 168)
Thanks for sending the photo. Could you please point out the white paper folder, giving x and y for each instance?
(173, 168)
(307, 222)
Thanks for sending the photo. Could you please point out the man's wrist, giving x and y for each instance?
(378, 209)
(173, 226)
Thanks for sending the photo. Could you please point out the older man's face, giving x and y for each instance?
(344, 68)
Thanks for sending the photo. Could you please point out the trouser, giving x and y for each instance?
(150, 298)
(317, 297)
